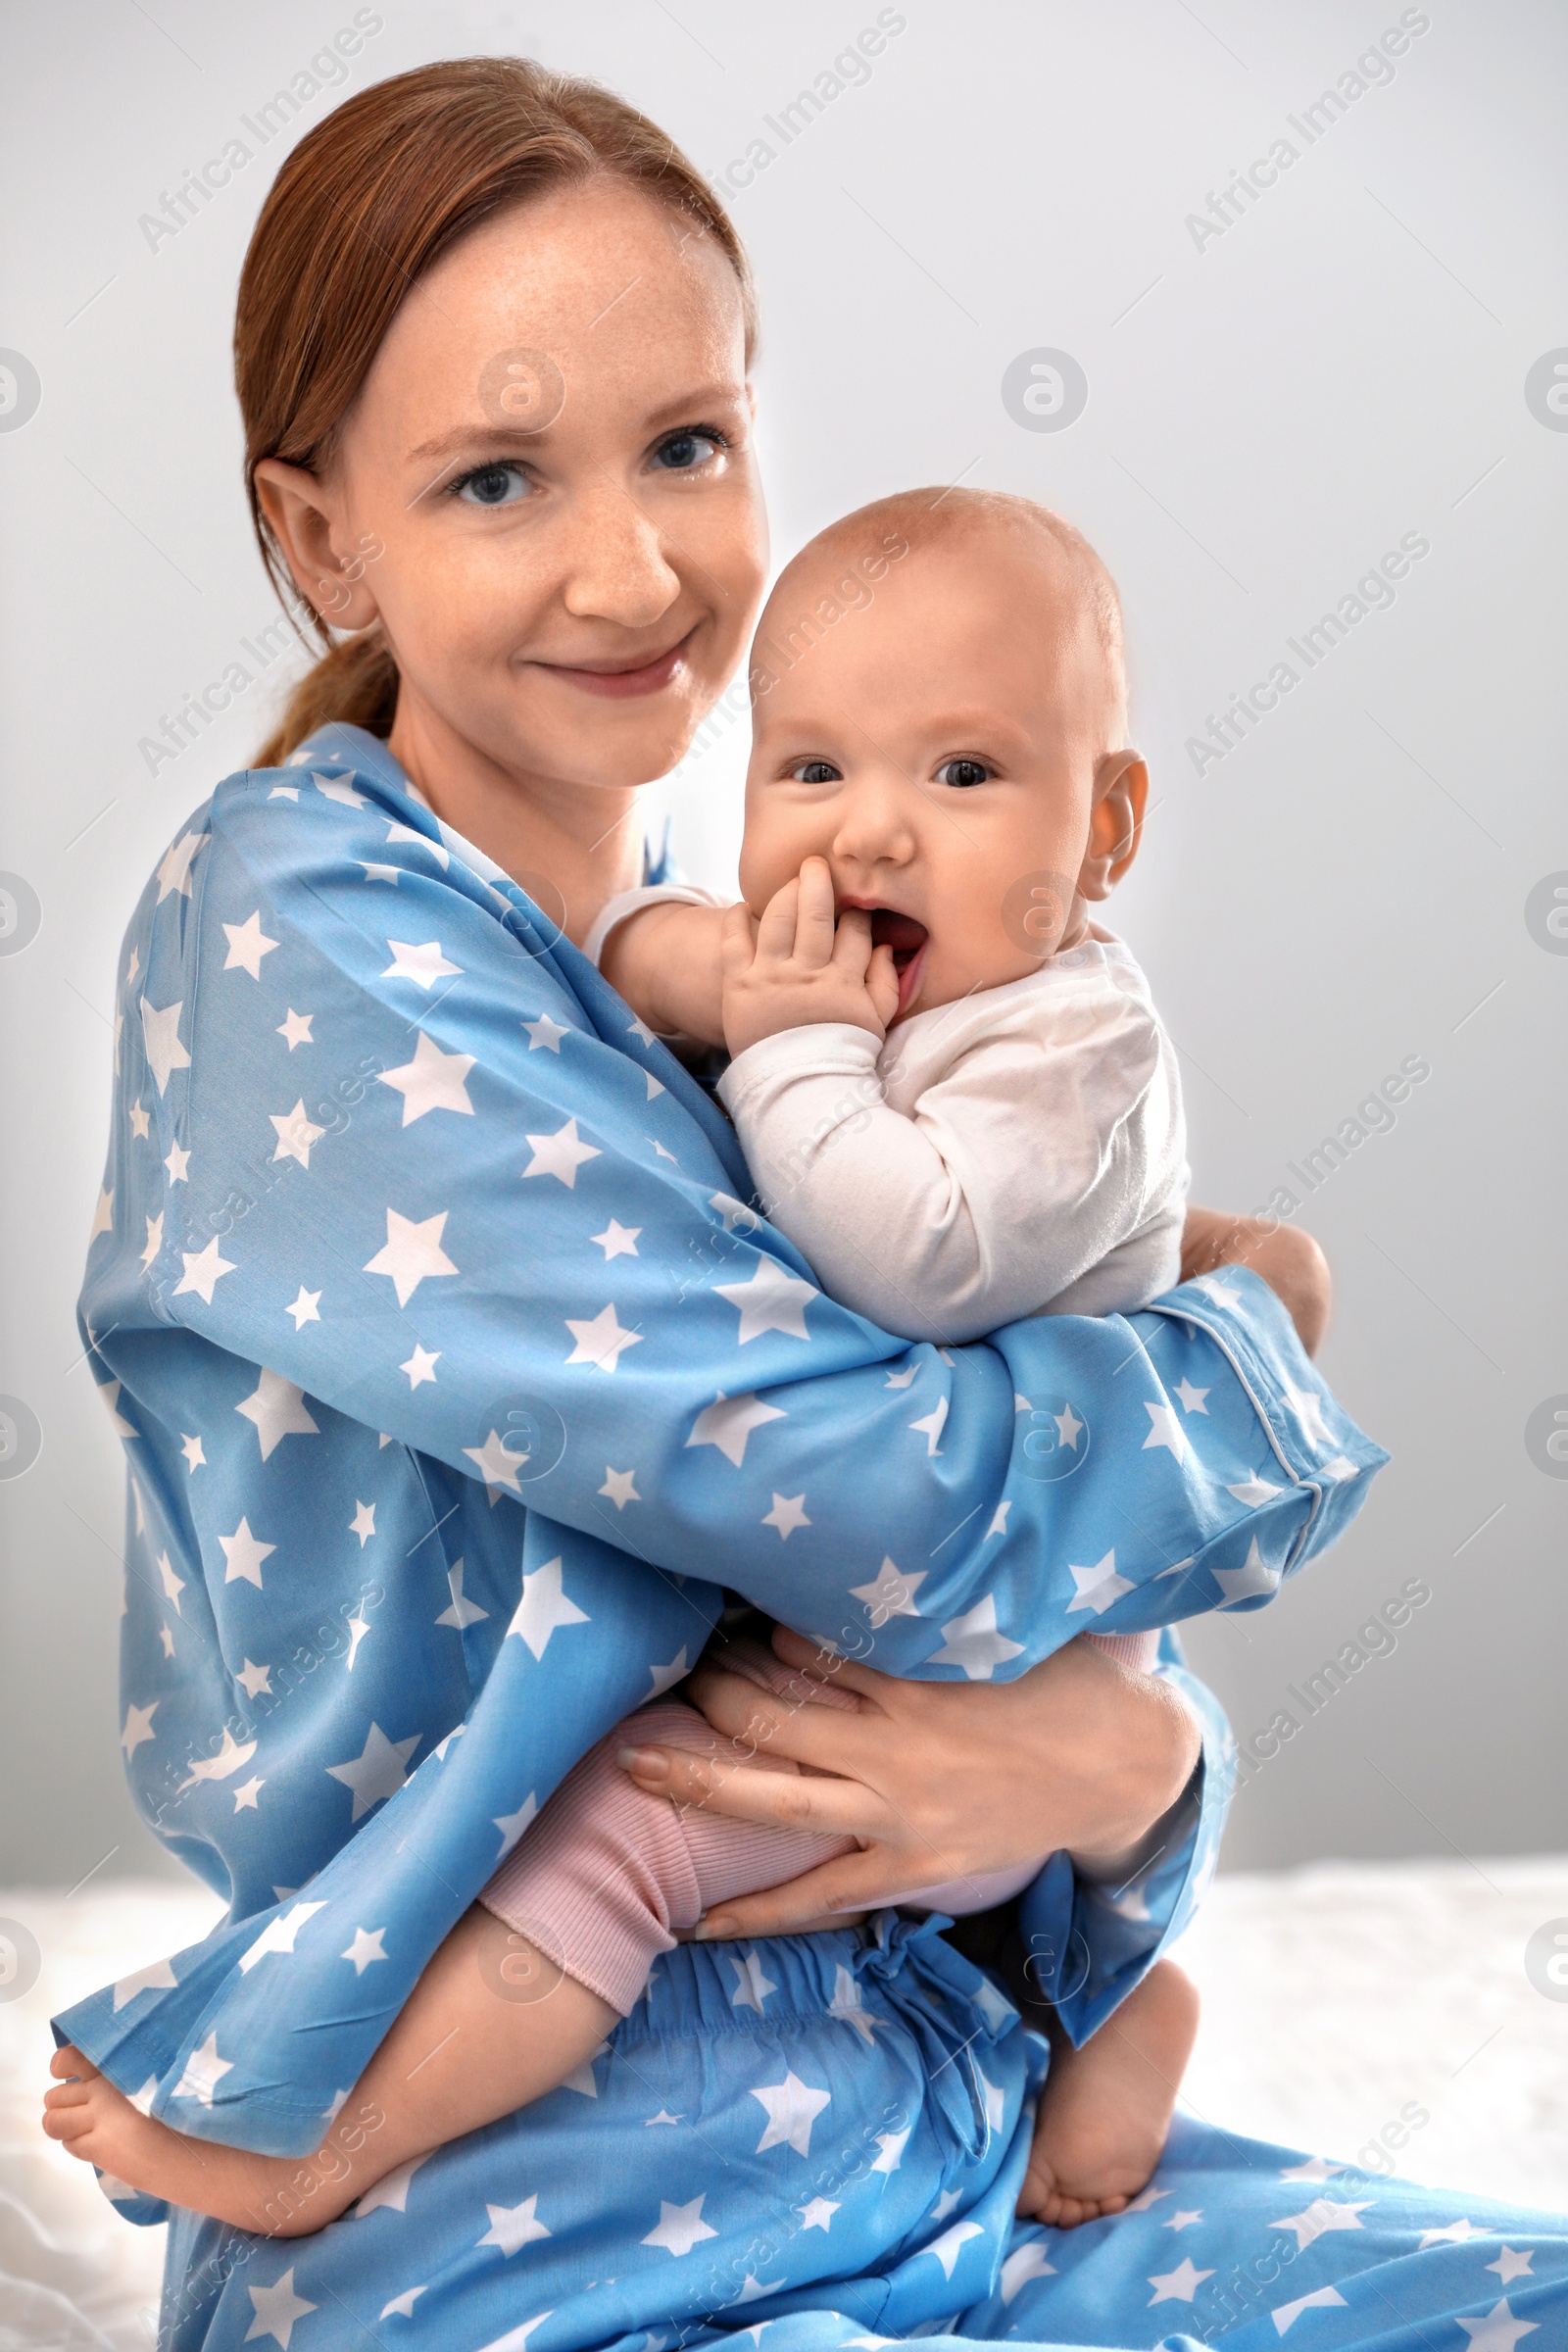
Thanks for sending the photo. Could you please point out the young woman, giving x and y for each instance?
(458, 1382)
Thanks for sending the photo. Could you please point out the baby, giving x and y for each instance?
(957, 1099)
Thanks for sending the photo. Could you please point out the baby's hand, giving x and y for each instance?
(796, 966)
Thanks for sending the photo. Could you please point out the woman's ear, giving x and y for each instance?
(1115, 821)
(307, 519)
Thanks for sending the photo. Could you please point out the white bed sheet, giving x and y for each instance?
(1335, 1999)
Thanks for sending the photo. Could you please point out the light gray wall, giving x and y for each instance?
(1270, 410)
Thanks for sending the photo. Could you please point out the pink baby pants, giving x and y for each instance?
(608, 1877)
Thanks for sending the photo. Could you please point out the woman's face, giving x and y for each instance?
(552, 453)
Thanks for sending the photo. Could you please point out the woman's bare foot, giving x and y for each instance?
(1105, 2109)
(282, 2196)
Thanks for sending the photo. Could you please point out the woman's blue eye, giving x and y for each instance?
(815, 772)
(962, 773)
(493, 486)
(685, 450)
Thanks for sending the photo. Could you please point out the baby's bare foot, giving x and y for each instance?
(278, 2196)
(1105, 2109)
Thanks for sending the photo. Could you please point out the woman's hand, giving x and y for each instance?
(937, 1780)
(1288, 1260)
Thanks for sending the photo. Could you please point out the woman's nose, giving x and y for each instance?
(617, 568)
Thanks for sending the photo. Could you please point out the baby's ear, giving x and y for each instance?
(1115, 821)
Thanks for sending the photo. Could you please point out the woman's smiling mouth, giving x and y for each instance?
(644, 677)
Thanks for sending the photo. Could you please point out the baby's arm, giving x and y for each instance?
(667, 960)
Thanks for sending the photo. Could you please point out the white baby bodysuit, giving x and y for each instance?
(1021, 1152)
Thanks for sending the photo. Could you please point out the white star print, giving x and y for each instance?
(277, 1408)
(1313, 2168)
(204, 1268)
(892, 2145)
(1253, 1576)
(1069, 1428)
(512, 1827)
(1286, 2313)
(618, 1241)
(363, 1523)
(380, 874)
(973, 1641)
(139, 1122)
(392, 2195)
(946, 2248)
(377, 1772)
(462, 1612)
(818, 2215)
(1165, 1430)
(680, 2226)
(1307, 1407)
(545, 1033)
(601, 1342)
(419, 1366)
(296, 1027)
(663, 2117)
(738, 1219)
(401, 2306)
(277, 2307)
(792, 2107)
(177, 1162)
(1192, 1400)
(366, 1948)
(431, 1081)
(244, 1555)
(1509, 2265)
(639, 1030)
(1454, 2235)
(221, 1767)
(336, 788)
(1220, 1291)
(655, 1086)
(1179, 2286)
(1097, 1587)
(1253, 1491)
(175, 872)
(932, 1425)
(729, 1421)
(155, 1239)
(998, 1522)
(1147, 2199)
(306, 1308)
(279, 1934)
(1499, 2331)
(753, 2290)
(752, 1986)
(788, 1513)
(138, 1726)
(1183, 2220)
(175, 1585)
(904, 1379)
(248, 1796)
(255, 1679)
(892, 1595)
(543, 1607)
(295, 1134)
(849, 2009)
(1321, 2215)
(157, 1977)
(1028, 2262)
(110, 1393)
(203, 2071)
(665, 1678)
(498, 1464)
(514, 2226)
(191, 1449)
(620, 1487)
(559, 1154)
(248, 943)
(412, 1252)
(424, 965)
(103, 1216)
(420, 841)
(159, 1029)
(772, 1299)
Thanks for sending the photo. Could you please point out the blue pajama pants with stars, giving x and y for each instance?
(816, 2142)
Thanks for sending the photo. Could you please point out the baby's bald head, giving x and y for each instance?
(1048, 578)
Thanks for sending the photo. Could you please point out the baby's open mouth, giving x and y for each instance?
(909, 940)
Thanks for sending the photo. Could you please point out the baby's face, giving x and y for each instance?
(937, 746)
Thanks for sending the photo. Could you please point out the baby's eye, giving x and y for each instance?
(816, 771)
(497, 485)
(685, 451)
(962, 773)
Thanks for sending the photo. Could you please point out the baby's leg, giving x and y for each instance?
(525, 1987)
(1106, 2110)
